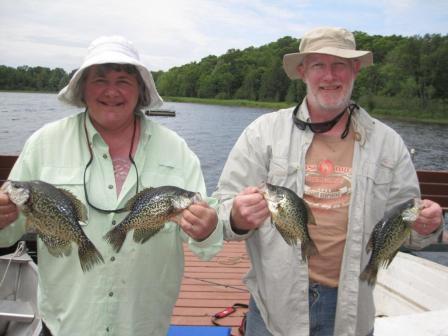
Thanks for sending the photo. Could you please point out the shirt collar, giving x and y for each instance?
(92, 133)
(362, 122)
(94, 136)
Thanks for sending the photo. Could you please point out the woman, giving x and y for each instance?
(104, 156)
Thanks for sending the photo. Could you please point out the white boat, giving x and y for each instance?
(411, 298)
(18, 295)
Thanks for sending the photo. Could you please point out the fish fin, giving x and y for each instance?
(369, 274)
(130, 203)
(29, 225)
(116, 237)
(176, 218)
(311, 219)
(388, 261)
(272, 221)
(375, 234)
(142, 235)
(287, 237)
(308, 249)
(89, 255)
(369, 246)
(55, 246)
(80, 208)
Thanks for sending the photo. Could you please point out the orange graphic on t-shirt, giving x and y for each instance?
(326, 167)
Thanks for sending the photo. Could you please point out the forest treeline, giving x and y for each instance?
(26, 78)
(413, 70)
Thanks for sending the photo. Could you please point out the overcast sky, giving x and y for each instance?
(167, 33)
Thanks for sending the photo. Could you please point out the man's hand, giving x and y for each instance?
(249, 210)
(430, 218)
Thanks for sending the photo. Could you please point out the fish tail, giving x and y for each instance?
(369, 274)
(89, 255)
(116, 238)
(308, 249)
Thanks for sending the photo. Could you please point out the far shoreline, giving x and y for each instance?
(384, 114)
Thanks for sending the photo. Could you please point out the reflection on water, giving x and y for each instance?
(209, 130)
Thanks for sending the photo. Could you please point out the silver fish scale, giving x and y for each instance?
(154, 207)
(52, 213)
(391, 238)
(150, 214)
(290, 216)
(149, 210)
(387, 237)
(291, 219)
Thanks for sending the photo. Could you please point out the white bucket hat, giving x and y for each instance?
(325, 40)
(111, 49)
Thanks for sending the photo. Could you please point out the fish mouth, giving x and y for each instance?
(17, 194)
(272, 199)
(197, 197)
(266, 188)
(263, 186)
(6, 187)
(411, 214)
(418, 203)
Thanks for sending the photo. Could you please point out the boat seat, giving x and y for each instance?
(20, 311)
(6, 163)
(434, 186)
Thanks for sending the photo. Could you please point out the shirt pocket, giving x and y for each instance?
(67, 178)
(70, 179)
(164, 173)
(279, 170)
(379, 177)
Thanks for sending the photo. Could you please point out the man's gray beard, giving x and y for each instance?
(344, 102)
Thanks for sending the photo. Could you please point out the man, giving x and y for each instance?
(350, 169)
(104, 156)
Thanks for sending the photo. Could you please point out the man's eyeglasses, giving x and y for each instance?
(91, 160)
(322, 127)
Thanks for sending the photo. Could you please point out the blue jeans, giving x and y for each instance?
(322, 305)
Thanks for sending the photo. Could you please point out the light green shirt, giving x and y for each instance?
(134, 291)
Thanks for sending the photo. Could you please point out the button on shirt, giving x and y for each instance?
(134, 291)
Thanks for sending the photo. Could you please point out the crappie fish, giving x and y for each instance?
(54, 214)
(149, 210)
(291, 215)
(387, 237)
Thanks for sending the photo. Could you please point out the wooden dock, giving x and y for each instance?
(161, 112)
(209, 287)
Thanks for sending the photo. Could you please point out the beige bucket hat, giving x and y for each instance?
(326, 40)
(111, 49)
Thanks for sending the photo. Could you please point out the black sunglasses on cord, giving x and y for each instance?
(325, 126)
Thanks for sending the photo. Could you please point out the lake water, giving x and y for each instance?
(209, 130)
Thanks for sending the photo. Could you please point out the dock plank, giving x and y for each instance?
(209, 287)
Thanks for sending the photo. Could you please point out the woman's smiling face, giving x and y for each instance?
(111, 97)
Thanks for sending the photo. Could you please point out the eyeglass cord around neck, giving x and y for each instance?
(322, 127)
(91, 160)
